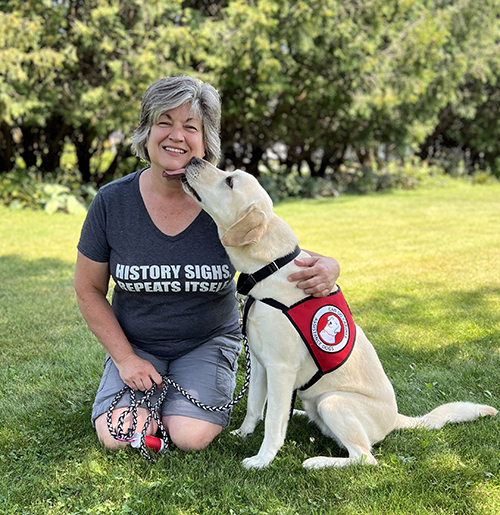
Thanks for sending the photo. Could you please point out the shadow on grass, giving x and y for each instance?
(14, 267)
(436, 346)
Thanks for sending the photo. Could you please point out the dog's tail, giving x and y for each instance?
(453, 412)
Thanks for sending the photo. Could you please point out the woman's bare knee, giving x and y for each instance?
(190, 434)
(105, 436)
(108, 440)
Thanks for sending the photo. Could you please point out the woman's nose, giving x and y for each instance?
(176, 133)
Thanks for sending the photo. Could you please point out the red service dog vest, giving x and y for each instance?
(326, 326)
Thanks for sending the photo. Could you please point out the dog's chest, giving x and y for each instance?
(271, 336)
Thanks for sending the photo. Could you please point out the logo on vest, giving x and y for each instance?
(329, 329)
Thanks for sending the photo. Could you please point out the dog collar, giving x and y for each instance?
(247, 281)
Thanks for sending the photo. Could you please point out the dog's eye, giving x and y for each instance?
(229, 182)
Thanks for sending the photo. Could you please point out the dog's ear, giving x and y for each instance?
(247, 230)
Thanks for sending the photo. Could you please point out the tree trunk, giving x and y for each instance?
(253, 166)
(55, 133)
(83, 145)
(6, 148)
(30, 145)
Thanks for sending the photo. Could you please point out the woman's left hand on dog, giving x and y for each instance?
(318, 276)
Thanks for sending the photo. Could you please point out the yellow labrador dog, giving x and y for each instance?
(355, 404)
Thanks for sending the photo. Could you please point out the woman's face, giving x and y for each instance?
(174, 140)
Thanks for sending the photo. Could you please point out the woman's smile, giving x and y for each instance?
(176, 137)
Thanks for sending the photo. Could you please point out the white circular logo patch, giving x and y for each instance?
(329, 328)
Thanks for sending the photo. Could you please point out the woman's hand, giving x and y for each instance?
(319, 275)
(138, 373)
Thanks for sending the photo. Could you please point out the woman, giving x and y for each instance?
(173, 309)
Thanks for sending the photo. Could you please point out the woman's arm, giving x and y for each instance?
(319, 275)
(91, 286)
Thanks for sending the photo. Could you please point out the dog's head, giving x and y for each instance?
(333, 325)
(236, 201)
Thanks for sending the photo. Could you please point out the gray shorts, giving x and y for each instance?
(208, 373)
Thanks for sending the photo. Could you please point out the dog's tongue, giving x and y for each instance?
(173, 174)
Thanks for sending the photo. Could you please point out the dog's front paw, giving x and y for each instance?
(247, 427)
(240, 433)
(255, 462)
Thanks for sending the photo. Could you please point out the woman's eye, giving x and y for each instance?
(229, 182)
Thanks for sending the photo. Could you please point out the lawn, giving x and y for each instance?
(420, 270)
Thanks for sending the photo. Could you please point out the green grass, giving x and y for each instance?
(421, 273)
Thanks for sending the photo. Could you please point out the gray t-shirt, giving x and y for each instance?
(172, 293)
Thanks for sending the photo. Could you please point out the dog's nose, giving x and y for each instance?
(192, 169)
(195, 161)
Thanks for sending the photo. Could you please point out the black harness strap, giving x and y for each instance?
(248, 304)
(247, 281)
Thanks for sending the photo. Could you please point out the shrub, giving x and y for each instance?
(394, 174)
(57, 191)
(353, 177)
(281, 186)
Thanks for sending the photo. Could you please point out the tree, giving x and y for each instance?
(332, 78)
(309, 83)
(92, 61)
(468, 124)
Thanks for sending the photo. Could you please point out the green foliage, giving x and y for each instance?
(408, 174)
(99, 57)
(326, 81)
(55, 192)
(469, 124)
(332, 78)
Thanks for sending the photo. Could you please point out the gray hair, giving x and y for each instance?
(171, 92)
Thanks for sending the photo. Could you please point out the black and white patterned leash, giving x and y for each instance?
(129, 436)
